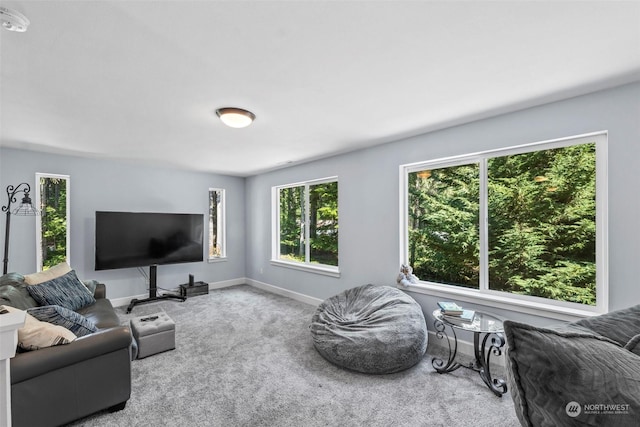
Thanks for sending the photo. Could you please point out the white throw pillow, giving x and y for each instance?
(46, 275)
(36, 334)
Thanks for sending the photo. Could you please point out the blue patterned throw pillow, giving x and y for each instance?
(66, 291)
(57, 315)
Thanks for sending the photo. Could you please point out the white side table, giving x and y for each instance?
(9, 325)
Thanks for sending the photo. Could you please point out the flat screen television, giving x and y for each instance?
(142, 239)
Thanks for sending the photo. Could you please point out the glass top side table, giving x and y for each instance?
(488, 340)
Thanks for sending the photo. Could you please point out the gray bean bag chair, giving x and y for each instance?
(370, 329)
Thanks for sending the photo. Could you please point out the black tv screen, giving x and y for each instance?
(139, 239)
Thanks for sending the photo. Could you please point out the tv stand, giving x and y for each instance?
(153, 291)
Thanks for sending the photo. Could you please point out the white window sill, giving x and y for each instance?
(325, 270)
(218, 259)
(502, 300)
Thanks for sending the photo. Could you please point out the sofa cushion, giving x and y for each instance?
(36, 334)
(66, 291)
(11, 279)
(46, 275)
(550, 370)
(13, 292)
(57, 315)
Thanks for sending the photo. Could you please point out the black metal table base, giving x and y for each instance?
(482, 353)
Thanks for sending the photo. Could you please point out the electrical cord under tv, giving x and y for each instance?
(146, 279)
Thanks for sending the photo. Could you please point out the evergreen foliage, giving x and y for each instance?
(541, 224)
(53, 197)
(323, 223)
(215, 245)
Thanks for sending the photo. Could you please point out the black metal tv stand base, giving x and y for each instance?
(153, 292)
(136, 301)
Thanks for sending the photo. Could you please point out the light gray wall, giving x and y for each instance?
(369, 193)
(98, 184)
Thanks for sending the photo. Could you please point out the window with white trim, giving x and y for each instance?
(306, 224)
(217, 241)
(52, 226)
(522, 223)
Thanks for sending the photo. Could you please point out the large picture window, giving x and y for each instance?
(306, 229)
(52, 227)
(523, 222)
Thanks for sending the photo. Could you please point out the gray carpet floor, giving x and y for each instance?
(244, 357)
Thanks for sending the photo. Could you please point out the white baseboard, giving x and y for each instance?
(284, 292)
(120, 302)
(465, 348)
(227, 283)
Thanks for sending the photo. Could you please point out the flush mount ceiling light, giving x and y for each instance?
(13, 21)
(235, 117)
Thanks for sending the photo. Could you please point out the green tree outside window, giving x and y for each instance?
(53, 200)
(541, 224)
(308, 221)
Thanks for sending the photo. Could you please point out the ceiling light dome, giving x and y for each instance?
(13, 21)
(235, 117)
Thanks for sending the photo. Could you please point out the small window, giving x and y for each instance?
(217, 246)
(306, 230)
(52, 226)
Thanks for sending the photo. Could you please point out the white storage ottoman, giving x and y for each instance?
(154, 334)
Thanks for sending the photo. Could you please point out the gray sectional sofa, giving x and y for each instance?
(55, 385)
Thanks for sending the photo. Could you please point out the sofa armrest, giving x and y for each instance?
(100, 292)
(34, 363)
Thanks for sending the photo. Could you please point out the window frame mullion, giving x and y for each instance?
(483, 226)
(307, 226)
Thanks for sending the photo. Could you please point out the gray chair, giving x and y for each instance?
(584, 373)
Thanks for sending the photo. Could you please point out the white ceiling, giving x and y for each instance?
(141, 80)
